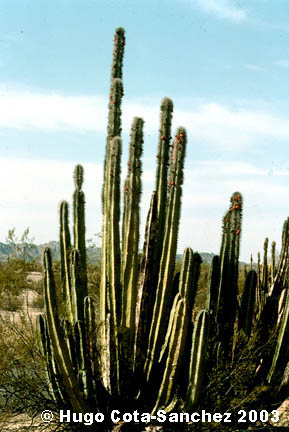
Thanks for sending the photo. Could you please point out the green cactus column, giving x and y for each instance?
(109, 288)
(60, 349)
(245, 321)
(130, 245)
(229, 266)
(180, 317)
(146, 287)
(79, 238)
(198, 359)
(162, 169)
(164, 288)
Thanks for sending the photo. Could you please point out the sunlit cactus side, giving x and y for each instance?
(281, 353)
(65, 251)
(153, 246)
(198, 359)
(179, 325)
(130, 247)
(60, 344)
(53, 376)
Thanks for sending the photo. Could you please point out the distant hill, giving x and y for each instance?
(93, 254)
(36, 251)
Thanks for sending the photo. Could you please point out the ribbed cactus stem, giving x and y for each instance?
(179, 325)
(280, 277)
(281, 353)
(248, 303)
(213, 285)
(162, 164)
(265, 267)
(130, 230)
(164, 288)
(146, 287)
(175, 353)
(113, 255)
(51, 375)
(113, 130)
(273, 260)
(76, 299)
(79, 236)
(118, 52)
(65, 250)
(229, 268)
(91, 338)
(198, 359)
(59, 345)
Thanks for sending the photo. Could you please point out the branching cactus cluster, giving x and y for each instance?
(135, 339)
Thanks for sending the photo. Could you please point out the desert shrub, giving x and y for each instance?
(38, 301)
(23, 385)
(11, 286)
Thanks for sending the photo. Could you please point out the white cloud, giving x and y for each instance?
(231, 128)
(224, 9)
(283, 63)
(253, 67)
(25, 109)
(211, 122)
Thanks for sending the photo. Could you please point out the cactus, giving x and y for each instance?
(248, 302)
(165, 278)
(229, 263)
(179, 326)
(137, 343)
(198, 359)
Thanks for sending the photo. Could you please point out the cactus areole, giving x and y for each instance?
(133, 344)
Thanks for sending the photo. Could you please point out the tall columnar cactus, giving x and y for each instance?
(79, 238)
(137, 343)
(229, 268)
(130, 238)
(110, 209)
(165, 278)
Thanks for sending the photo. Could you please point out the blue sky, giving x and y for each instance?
(224, 63)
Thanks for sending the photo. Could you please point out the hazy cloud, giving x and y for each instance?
(283, 63)
(224, 9)
(211, 122)
(253, 67)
